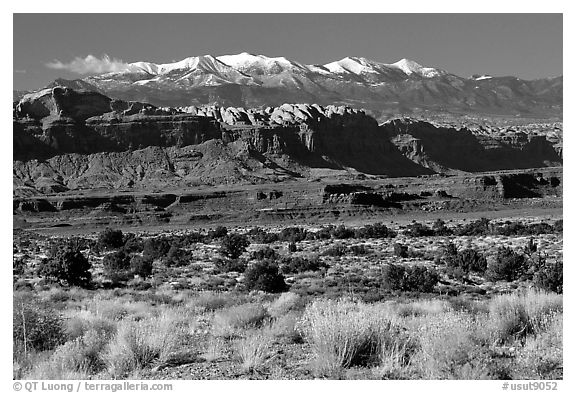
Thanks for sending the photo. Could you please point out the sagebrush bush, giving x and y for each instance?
(258, 235)
(265, 253)
(264, 276)
(230, 321)
(117, 265)
(344, 334)
(137, 344)
(292, 234)
(155, 248)
(374, 231)
(400, 250)
(517, 315)
(141, 266)
(287, 301)
(419, 230)
(336, 251)
(254, 349)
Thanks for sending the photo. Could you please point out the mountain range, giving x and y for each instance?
(401, 88)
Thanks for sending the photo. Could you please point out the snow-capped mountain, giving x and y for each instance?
(249, 80)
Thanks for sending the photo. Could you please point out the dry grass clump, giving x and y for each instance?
(422, 307)
(344, 333)
(254, 349)
(517, 315)
(210, 301)
(286, 302)
(80, 322)
(449, 348)
(230, 321)
(76, 359)
(137, 344)
(541, 356)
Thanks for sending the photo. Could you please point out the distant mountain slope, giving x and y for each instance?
(403, 87)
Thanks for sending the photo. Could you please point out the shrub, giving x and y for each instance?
(293, 265)
(139, 343)
(292, 234)
(336, 251)
(508, 265)
(418, 230)
(133, 244)
(141, 266)
(292, 247)
(345, 334)
(550, 277)
(218, 233)
(230, 265)
(341, 232)
(229, 321)
(440, 229)
(324, 233)
(36, 326)
(406, 278)
(254, 349)
(475, 228)
(359, 249)
(117, 265)
(155, 248)
(258, 235)
(110, 238)
(69, 265)
(265, 253)
(287, 301)
(176, 257)
(375, 231)
(264, 276)
(18, 266)
(465, 262)
(400, 250)
(558, 226)
(517, 315)
(233, 245)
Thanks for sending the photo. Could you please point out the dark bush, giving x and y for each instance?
(336, 251)
(418, 230)
(324, 233)
(264, 276)
(341, 232)
(440, 229)
(375, 231)
(558, 226)
(18, 266)
(176, 257)
(265, 253)
(111, 239)
(230, 265)
(155, 248)
(233, 245)
(292, 234)
(117, 265)
(292, 246)
(294, 265)
(258, 235)
(461, 264)
(475, 228)
(68, 264)
(400, 250)
(406, 278)
(550, 277)
(218, 233)
(359, 249)
(192, 238)
(36, 326)
(508, 265)
(133, 244)
(141, 266)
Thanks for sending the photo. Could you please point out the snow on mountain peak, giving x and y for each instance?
(354, 65)
(410, 67)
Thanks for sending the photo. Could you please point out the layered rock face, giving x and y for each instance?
(66, 139)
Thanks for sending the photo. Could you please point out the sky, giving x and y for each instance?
(528, 46)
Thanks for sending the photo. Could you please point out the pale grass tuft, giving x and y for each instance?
(254, 349)
(229, 322)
